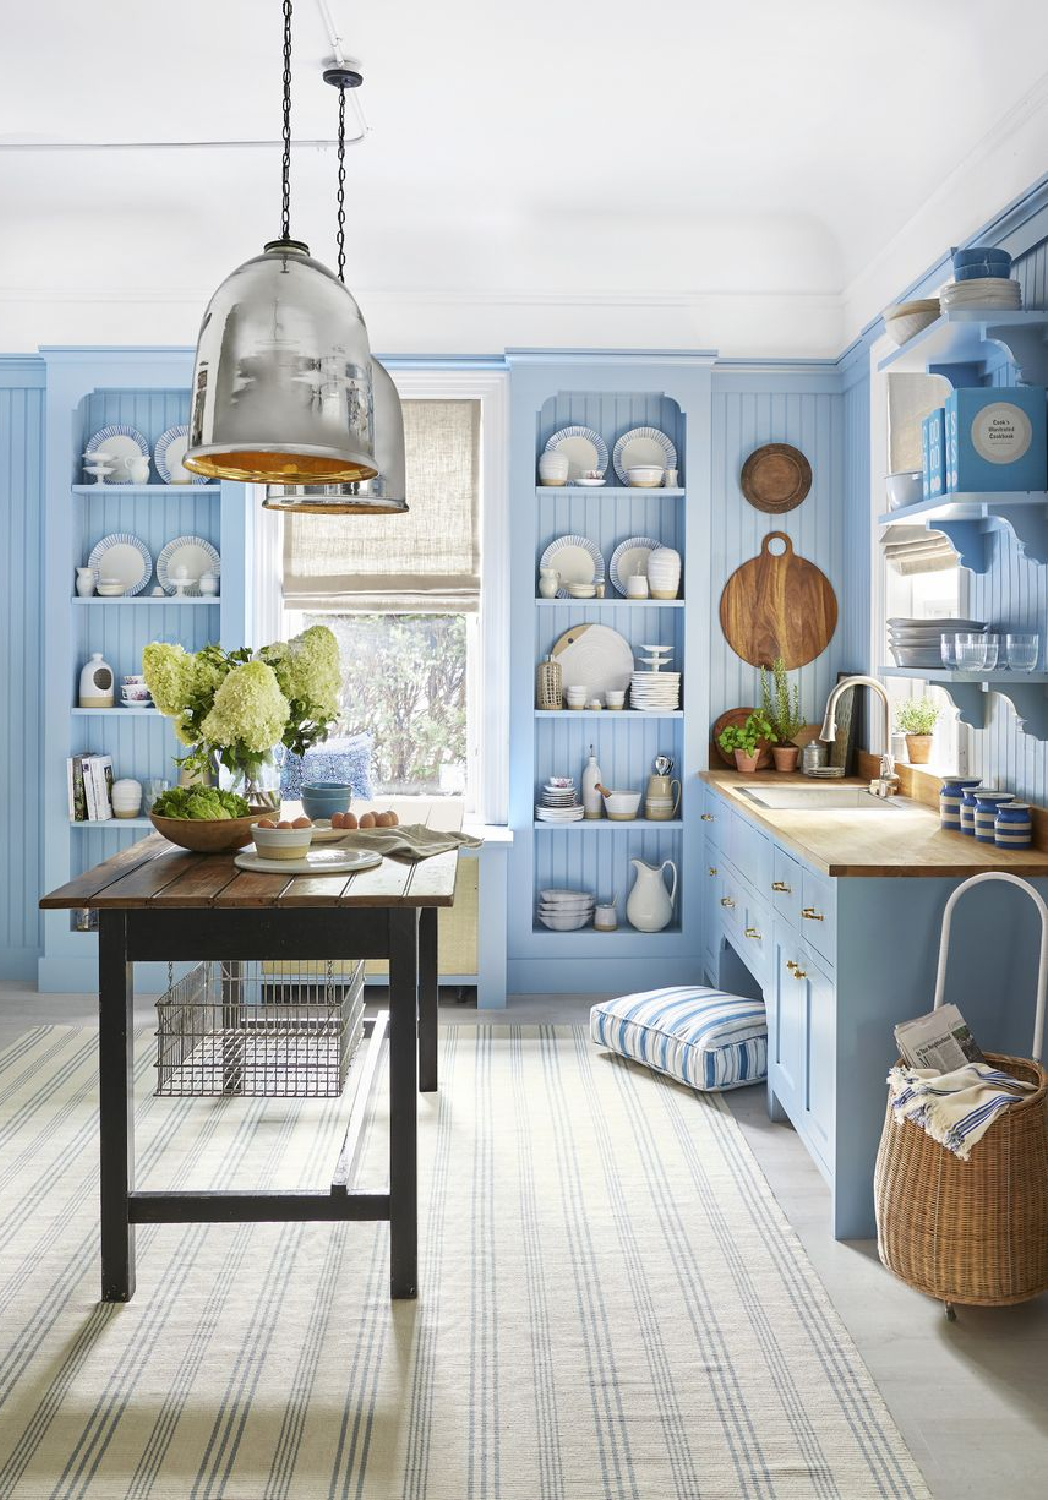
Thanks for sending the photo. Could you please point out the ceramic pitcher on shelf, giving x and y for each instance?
(650, 905)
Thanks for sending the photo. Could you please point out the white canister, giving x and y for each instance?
(664, 573)
(636, 586)
(605, 918)
(85, 582)
(553, 467)
(207, 583)
(96, 683)
(126, 798)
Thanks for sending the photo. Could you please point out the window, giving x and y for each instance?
(402, 594)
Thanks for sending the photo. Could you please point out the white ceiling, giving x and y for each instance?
(718, 174)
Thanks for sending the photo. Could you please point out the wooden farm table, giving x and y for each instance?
(156, 901)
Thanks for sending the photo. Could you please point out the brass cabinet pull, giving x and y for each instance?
(790, 965)
(706, 817)
(727, 901)
(812, 914)
(799, 973)
(751, 932)
(713, 869)
(780, 885)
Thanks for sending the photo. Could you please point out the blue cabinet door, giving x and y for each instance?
(790, 1036)
(821, 1062)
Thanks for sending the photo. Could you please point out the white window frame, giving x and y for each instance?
(487, 689)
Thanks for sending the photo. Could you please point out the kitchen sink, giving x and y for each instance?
(823, 799)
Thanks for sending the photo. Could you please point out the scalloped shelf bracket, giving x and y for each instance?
(1027, 346)
(1029, 701)
(969, 539)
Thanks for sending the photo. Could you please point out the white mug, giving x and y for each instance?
(605, 918)
(636, 586)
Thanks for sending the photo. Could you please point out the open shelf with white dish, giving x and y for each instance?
(969, 521)
(970, 692)
(964, 347)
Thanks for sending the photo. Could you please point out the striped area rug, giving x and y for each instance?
(611, 1302)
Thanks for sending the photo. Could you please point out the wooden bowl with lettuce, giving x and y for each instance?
(204, 819)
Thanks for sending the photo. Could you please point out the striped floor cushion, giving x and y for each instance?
(706, 1038)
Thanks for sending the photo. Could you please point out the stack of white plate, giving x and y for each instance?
(655, 692)
(917, 643)
(992, 293)
(558, 801)
(566, 911)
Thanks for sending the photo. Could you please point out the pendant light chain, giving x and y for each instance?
(286, 218)
(342, 185)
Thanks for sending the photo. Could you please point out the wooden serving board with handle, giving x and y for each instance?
(778, 604)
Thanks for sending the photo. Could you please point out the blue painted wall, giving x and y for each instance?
(21, 663)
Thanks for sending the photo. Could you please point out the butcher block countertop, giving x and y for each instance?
(904, 842)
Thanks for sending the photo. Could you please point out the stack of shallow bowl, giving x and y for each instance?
(558, 802)
(904, 320)
(982, 282)
(918, 643)
(566, 911)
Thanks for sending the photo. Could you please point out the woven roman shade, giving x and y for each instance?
(426, 560)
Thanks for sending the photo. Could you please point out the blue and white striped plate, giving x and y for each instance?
(168, 454)
(568, 554)
(122, 556)
(642, 445)
(584, 448)
(196, 555)
(118, 442)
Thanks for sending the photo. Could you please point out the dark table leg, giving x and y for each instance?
(428, 996)
(403, 1104)
(116, 1101)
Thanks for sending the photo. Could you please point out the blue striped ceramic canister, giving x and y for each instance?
(1013, 826)
(986, 805)
(951, 795)
(968, 810)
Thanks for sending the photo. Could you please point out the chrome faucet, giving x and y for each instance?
(887, 783)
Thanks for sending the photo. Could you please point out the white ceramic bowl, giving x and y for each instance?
(904, 488)
(582, 590)
(645, 476)
(282, 843)
(621, 807)
(903, 320)
(109, 590)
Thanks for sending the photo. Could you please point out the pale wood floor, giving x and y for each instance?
(971, 1398)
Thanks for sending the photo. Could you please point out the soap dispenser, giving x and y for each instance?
(591, 778)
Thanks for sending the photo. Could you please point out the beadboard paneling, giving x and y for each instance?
(21, 667)
(858, 602)
(784, 408)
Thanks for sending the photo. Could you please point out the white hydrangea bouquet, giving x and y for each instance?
(236, 707)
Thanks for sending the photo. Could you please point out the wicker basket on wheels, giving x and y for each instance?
(972, 1231)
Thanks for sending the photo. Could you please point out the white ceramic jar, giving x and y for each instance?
(126, 797)
(553, 467)
(85, 582)
(664, 573)
(96, 683)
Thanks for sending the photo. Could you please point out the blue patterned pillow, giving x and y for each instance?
(345, 758)
(704, 1037)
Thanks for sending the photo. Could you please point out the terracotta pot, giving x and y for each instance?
(919, 749)
(785, 757)
(747, 763)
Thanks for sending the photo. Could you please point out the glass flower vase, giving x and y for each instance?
(258, 782)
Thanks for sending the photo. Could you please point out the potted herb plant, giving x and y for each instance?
(917, 717)
(782, 706)
(746, 742)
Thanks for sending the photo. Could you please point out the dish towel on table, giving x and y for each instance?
(411, 841)
(956, 1109)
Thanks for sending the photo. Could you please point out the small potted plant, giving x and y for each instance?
(746, 742)
(917, 717)
(783, 708)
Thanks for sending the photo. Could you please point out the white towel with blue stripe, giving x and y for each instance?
(956, 1109)
(704, 1037)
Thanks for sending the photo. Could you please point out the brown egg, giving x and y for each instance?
(382, 820)
(336, 820)
(265, 823)
(394, 821)
(302, 822)
(367, 820)
(284, 823)
(349, 820)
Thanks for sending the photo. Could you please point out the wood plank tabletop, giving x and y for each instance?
(158, 875)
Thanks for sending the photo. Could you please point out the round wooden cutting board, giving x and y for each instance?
(776, 478)
(778, 605)
(738, 717)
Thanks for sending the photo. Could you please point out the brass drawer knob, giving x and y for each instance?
(713, 869)
(790, 965)
(751, 932)
(811, 914)
(727, 901)
(780, 885)
(706, 818)
(799, 973)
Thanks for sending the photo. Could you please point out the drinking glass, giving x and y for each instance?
(993, 647)
(948, 649)
(971, 650)
(1020, 650)
(154, 788)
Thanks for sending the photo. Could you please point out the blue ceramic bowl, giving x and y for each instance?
(989, 255)
(981, 272)
(322, 798)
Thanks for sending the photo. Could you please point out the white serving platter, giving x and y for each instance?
(193, 553)
(124, 557)
(642, 446)
(630, 560)
(576, 559)
(594, 657)
(316, 862)
(118, 443)
(583, 448)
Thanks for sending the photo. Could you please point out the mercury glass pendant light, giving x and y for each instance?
(385, 493)
(282, 387)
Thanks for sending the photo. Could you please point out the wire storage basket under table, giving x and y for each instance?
(245, 1027)
(972, 1231)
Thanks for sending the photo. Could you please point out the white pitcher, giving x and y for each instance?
(650, 905)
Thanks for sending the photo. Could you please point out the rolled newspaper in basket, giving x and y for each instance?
(1042, 970)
